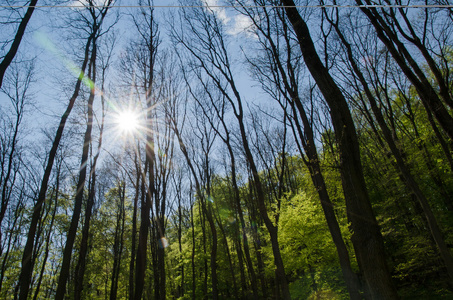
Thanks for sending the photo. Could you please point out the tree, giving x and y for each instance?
(145, 62)
(367, 238)
(411, 68)
(17, 89)
(392, 142)
(278, 73)
(9, 56)
(81, 263)
(212, 58)
(27, 263)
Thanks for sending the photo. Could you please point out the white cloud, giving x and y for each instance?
(235, 25)
(240, 24)
(80, 3)
(218, 11)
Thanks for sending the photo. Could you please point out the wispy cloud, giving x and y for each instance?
(220, 12)
(235, 25)
(240, 24)
(79, 3)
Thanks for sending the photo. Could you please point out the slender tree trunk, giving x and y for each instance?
(240, 257)
(230, 261)
(5, 185)
(72, 232)
(255, 224)
(81, 264)
(140, 265)
(367, 238)
(409, 180)
(27, 264)
(134, 229)
(8, 58)
(237, 199)
(206, 210)
(10, 244)
(273, 230)
(153, 247)
(192, 257)
(151, 41)
(118, 243)
(49, 234)
(214, 281)
(180, 288)
(205, 253)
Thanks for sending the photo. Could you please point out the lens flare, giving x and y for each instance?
(128, 121)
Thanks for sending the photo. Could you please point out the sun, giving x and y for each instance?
(128, 121)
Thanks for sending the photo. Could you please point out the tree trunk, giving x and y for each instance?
(81, 264)
(367, 238)
(192, 257)
(409, 180)
(288, 83)
(72, 232)
(134, 228)
(27, 264)
(49, 234)
(8, 58)
(142, 241)
(118, 242)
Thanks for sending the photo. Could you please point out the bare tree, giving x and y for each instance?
(141, 65)
(27, 262)
(387, 31)
(9, 56)
(367, 238)
(278, 73)
(392, 141)
(18, 91)
(207, 46)
(81, 263)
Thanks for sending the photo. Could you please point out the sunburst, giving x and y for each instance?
(128, 121)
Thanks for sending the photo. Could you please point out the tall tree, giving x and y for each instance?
(367, 238)
(81, 263)
(9, 56)
(393, 142)
(212, 58)
(67, 254)
(27, 262)
(410, 67)
(278, 73)
(18, 92)
(148, 44)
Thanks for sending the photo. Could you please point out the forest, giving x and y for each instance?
(226, 149)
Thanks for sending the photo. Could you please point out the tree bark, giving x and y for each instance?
(27, 264)
(367, 238)
(134, 228)
(81, 264)
(409, 180)
(49, 234)
(72, 232)
(412, 71)
(118, 242)
(8, 58)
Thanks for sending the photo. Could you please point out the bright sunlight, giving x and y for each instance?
(128, 121)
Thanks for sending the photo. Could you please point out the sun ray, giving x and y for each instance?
(128, 121)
